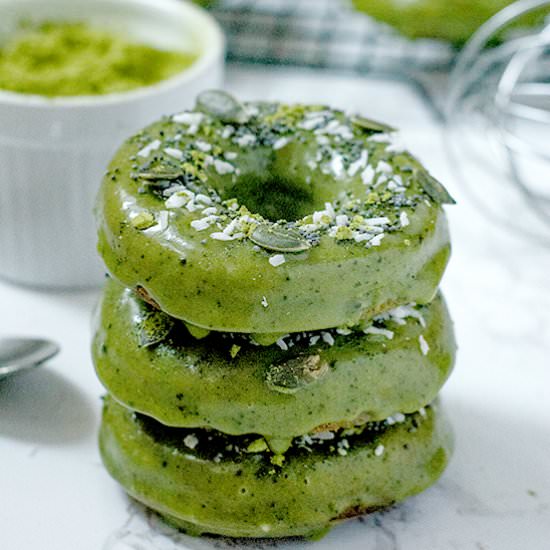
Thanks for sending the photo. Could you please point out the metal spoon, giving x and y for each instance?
(19, 354)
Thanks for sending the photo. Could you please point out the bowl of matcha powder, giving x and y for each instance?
(76, 78)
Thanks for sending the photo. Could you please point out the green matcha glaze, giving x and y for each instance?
(72, 59)
(197, 483)
(363, 224)
(265, 390)
(450, 20)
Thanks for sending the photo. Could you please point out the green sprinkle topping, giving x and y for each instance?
(234, 350)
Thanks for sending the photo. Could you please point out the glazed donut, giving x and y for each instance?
(450, 20)
(150, 363)
(271, 218)
(207, 482)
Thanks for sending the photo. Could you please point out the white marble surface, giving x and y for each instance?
(55, 495)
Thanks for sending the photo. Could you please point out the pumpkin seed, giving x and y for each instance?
(372, 125)
(278, 239)
(434, 188)
(159, 175)
(222, 106)
(153, 328)
(295, 374)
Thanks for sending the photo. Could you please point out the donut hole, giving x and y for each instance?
(273, 197)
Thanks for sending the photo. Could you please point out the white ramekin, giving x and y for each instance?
(53, 152)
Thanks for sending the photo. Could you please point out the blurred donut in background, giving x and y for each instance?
(449, 20)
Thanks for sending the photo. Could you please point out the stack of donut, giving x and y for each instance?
(271, 336)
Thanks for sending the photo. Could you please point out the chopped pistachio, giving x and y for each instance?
(278, 460)
(343, 233)
(257, 446)
(143, 220)
(153, 328)
(234, 350)
(372, 198)
(295, 374)
(197, 332)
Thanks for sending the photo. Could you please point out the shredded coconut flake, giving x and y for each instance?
(223, 167)
(323, 436)
(203, 146)
(342, 220)
(221, 236)
(367, 175)
(379, 451)
(337, 166)
(282, 344)
(227, 132)
(148, 149)
(381, 331)
(174, 153)
(280, 143)
(190, 441)
(205, 199)
(202, 224)
(314, 339)
(359, 164)
(176, 201)
(424, 347)
(191, 119)
(362, 237)
(404, 219)
(246, 140)
(399, 417)
(377, 221)
(377, 239)
(277, 260)
(384, 167)
(162, 224)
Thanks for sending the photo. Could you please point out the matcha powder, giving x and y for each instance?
(71, 59)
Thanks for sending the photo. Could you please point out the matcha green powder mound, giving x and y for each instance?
(73, 58)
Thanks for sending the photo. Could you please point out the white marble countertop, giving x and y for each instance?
(55, 495)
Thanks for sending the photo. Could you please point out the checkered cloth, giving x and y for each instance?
(325, 34)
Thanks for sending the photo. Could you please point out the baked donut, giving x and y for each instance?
(271, 218)
(206, 482)
(454, 21)
(306, 381)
